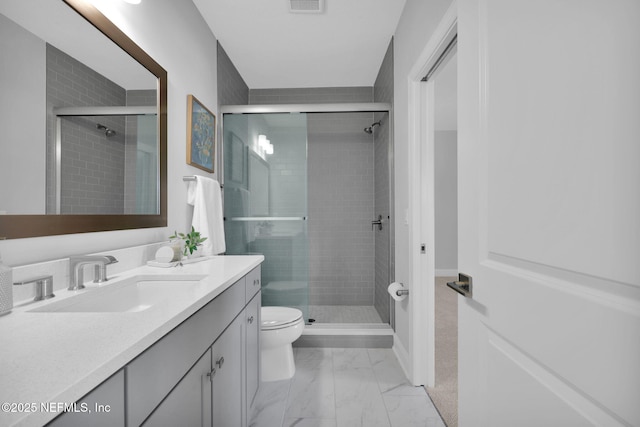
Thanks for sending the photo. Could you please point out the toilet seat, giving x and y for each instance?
(279, 317)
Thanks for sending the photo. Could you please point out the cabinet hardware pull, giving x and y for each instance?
(250, 319)
(211, 374)
(220, 362)
(377, 222)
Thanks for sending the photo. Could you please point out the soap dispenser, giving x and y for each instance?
(6, 288)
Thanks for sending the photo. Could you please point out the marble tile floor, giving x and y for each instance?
(344, 387)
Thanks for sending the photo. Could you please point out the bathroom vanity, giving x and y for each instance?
(191, 358)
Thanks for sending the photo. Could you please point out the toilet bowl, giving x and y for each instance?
(279, 327)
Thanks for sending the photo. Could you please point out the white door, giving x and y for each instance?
(549, 212)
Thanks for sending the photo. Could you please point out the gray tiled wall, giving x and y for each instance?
(232, 89)
(341, 201)
(92, 165)
(311, 95)
(136, 98)
(383, 92)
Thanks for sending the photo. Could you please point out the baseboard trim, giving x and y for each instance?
(402, 355)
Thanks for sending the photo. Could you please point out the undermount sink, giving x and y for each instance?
(130, 295)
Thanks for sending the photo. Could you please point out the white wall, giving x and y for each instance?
(174, 34)
(23, 160)
(446, 201)
(419, 20)
(446, 168)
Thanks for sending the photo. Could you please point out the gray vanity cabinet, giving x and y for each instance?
(205, 372)
(102, 407)
(211, 393)
(189, 403)
(153, 374)
(253, 280)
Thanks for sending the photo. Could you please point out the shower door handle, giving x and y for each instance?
(377, 222)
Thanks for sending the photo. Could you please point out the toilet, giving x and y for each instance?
(279, 327)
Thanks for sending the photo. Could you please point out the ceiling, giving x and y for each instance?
(273, 48)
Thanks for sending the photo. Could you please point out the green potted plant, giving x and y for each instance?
(192, 240)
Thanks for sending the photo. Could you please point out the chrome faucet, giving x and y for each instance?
(76, 269)
(44, 287)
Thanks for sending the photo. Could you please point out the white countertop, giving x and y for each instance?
(59, 357)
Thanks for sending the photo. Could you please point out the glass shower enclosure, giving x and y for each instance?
(265, 200)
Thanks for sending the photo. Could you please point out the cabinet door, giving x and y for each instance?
(227, 381)
(189, 403)
(252, 315)
(153, 374)
(102, 407)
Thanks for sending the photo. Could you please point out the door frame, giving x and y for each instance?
(421, 201)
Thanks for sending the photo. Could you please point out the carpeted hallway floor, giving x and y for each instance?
(445, 392)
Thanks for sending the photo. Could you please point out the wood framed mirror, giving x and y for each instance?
(50, 187)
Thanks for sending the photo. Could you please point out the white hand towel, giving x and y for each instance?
(205, 197)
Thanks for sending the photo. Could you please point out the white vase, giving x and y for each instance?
(177, 245)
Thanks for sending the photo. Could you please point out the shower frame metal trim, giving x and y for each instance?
(124, 110)
(352, 107)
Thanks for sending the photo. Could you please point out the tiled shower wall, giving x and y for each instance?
(383, 92)
(98, 173)
(232, 89)
(137, 98)
(92, 165)
(311, 95)
(341, 200)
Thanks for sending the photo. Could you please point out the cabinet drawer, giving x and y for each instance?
(152, 375)
(253, 283)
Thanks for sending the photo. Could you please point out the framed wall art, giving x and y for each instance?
(201, 135)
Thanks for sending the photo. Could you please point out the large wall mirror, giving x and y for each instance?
(83, 135)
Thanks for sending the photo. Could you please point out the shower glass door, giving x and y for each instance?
(265, 200)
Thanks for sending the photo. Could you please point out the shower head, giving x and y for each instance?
(369, 129)
(108, 132)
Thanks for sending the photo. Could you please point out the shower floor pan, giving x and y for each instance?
(345, 326)
(344, 314)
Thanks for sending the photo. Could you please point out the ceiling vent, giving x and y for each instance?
(306, 6)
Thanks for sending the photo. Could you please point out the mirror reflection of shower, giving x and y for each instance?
(369, 129)
(108, 132)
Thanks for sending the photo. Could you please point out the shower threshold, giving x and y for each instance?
(352, 335)
(348, 329)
